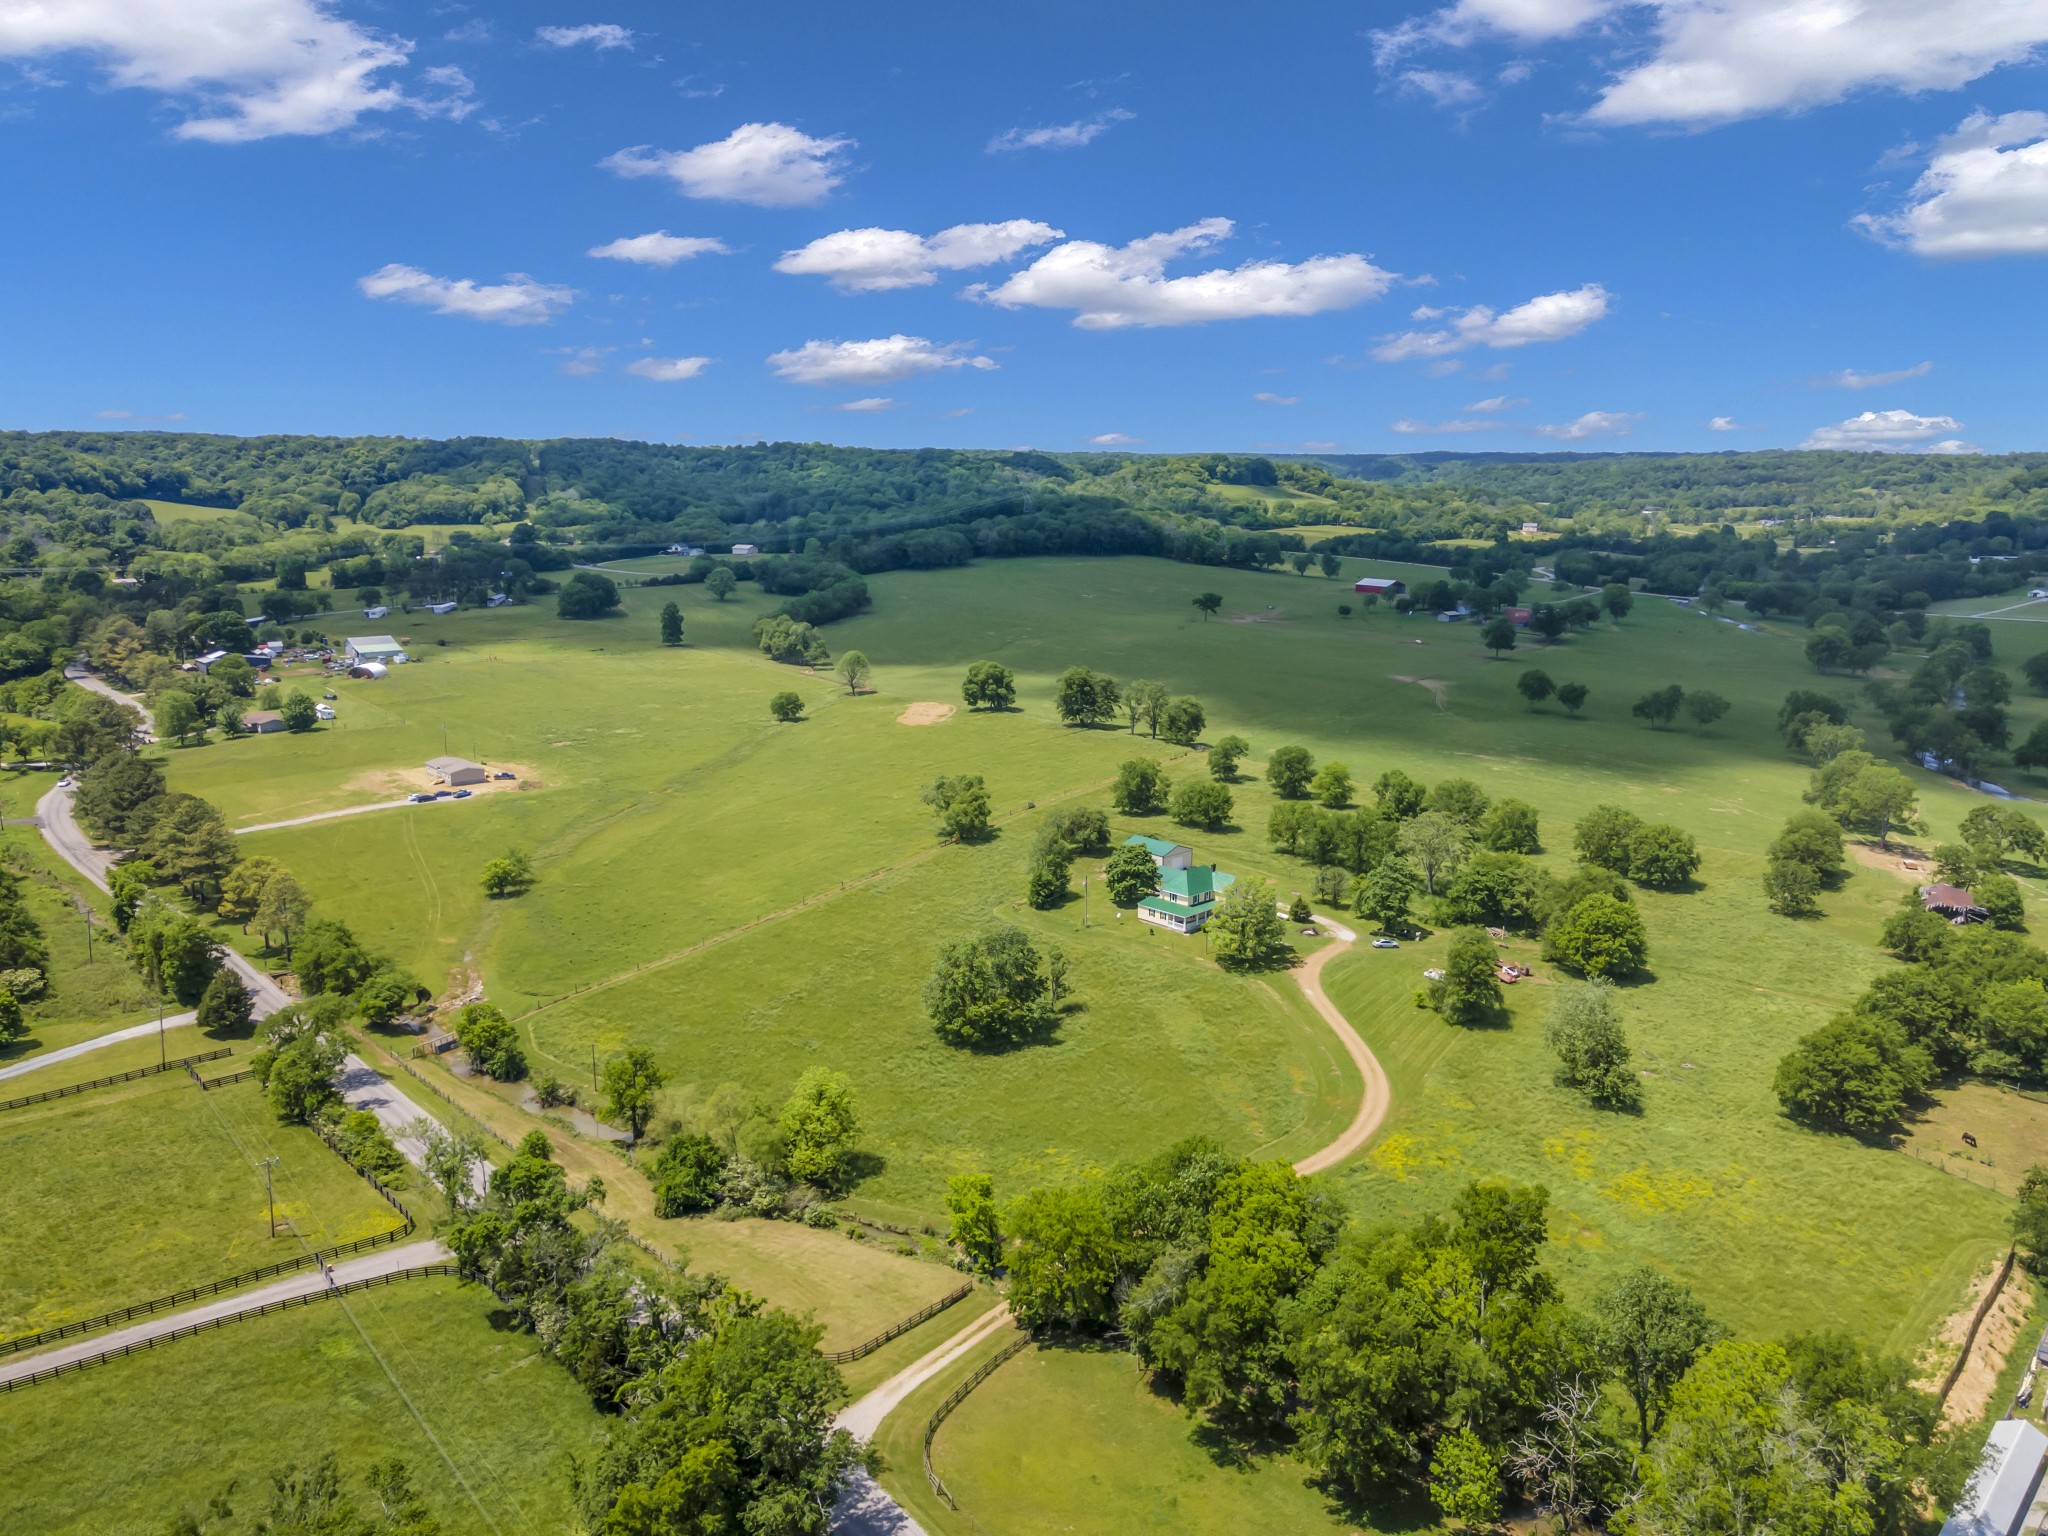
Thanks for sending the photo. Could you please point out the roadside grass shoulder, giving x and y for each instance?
(119, 1450)
(141, 1189)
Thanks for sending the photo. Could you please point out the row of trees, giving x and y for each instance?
(1083, 697)
(1439, 1355)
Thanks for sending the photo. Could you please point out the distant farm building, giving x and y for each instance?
(746, 549)
(497, 600)
(1521, 616)
(440, 607)
(361, 648)
(1532, 527)
(378, 612)
(263, 721)
(1164, 854)
(205, 663)
(1953, 903)
(457, 770)
(1998, 1498)
(368, 669)
(1186, 898)
(1379, 586)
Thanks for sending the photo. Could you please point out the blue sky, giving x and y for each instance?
(1498, 224)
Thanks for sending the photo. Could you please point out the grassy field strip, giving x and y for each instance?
(180, 1423)
(814, 900)
(106, 1058)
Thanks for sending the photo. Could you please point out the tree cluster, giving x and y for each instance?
(997, 989)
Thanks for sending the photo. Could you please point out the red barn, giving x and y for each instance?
(1521, 616)
(1379, 586)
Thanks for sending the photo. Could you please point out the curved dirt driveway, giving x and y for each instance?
(1379, 1096)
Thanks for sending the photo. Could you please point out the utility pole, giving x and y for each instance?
(160, 1052)
(593, 1066)
(270, 1190)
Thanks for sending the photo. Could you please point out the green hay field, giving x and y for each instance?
(147, 1187)
(419, 1370)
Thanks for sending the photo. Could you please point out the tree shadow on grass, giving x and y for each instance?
(862, 1165)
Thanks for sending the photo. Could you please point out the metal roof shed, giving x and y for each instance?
(1997, 1500)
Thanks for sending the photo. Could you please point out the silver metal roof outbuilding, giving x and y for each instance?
(1999, 1496)
(457, 770)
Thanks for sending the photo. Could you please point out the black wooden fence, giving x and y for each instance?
(181, 1063)
(897, 1330)
(19, 1383)
(953, 1400)
(232, 1282)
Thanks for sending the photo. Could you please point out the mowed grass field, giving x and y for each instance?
(751, 899)
(134, 1191)
(422, 1370)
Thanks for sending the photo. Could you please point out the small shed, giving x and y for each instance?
(263, 721)
(378, 612)
(1165, 855)
(1952, 902)
(440, 607)
(2002, 1491)
(457, 770)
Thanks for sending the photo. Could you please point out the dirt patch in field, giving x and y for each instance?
(387, 783)
(1906, 862)
(1437, 690)
(1972, 1392)
(1252, 618)
(925, 714)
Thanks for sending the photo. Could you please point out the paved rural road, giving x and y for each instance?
(384, 1261)
(74, 673)
(132, 1032)
(1379, 1097)
(360, 1083)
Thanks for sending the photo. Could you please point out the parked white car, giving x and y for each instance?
(324, 711)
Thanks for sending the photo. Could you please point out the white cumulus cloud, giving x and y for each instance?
(770, 165)
(1726, 424)
(518, 300)
(1059, 135)
(244, 69)
(1888, 432)
(871, 403)
(1267, 397)
(1113, 440)
(659, 249)
(668, 370)
(1719, 61)
(1496, 403)
(874, 260)
(600, 35)
(1444, 87)
(880, 361)
(1849, 378)
(1408, 427)
(1984, 192)
(1111, 286)
(1547, 317)
(1592, 424)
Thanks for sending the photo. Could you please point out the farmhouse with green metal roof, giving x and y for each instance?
(1186, 894)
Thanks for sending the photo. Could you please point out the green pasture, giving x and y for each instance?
(1075, 1442)
(186, 512)
(751, 898)
(133, 1191)
(423, 1370)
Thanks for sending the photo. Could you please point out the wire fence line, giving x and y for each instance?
(284, 1304)
(181, 1063)
(953, 1400)
(1982, 1174)
(897, 1330)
